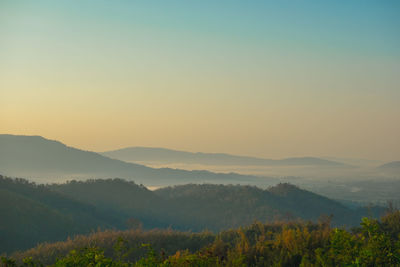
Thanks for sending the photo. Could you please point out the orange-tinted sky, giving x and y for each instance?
(265, 79)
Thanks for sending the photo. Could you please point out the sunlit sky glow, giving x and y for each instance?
(264, 78)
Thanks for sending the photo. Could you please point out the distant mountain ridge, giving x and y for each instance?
(390, 168)
(36, 157)
(391, 165)
(163, 155)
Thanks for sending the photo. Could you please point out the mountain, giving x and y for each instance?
(361, 162)
(41, 159)
(394, 165)
(162, 155)
(391, 168)
(38, 213)
(126, 198)
(218, 206)
(33, 213)
(206, 206)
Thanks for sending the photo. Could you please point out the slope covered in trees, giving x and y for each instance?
(37, 213)
(218, 206)
(129, 200)
(373, 243)
(214, 207)
(33, 213)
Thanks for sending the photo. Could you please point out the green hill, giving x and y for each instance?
(38, 213)
(218, 206)
(32, 213)
(294, 243)
(207, 206)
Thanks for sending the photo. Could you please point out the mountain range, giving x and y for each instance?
(44, 160)
(47, 161)
(394, 166)
(39, 213)
(163, 155)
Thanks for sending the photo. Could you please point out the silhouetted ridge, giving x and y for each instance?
(37, 157)
(283, 189)
(163, 155)
(391, 165)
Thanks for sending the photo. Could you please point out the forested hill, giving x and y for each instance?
(207, 206)
(33, 213)
(373, 243)
(215, 206)
(37, 213)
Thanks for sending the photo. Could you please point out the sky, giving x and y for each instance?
(264, 78)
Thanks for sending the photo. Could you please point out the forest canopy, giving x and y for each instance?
(373, 243)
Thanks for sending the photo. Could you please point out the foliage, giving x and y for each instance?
(374, 243)
(34, 213)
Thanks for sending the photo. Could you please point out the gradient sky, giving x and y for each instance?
(263, 78)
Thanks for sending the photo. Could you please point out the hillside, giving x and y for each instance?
(373, 243)
(32, 213)
(45, 160)
(391, 165)
(206, 206)
(218, 206)
(37, 213)
(129, 241)
(162, 155)
(394, 165)
(129, 200)
(390, 168)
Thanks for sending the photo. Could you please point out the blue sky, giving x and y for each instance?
(266, 78)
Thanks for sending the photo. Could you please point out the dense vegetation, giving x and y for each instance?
(374, 243)
(33, 213)
(37, 213)
(206, 206)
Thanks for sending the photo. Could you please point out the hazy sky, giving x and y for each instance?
(265, 78)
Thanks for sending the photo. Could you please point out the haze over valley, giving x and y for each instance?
(199, 133)
(49, 161)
